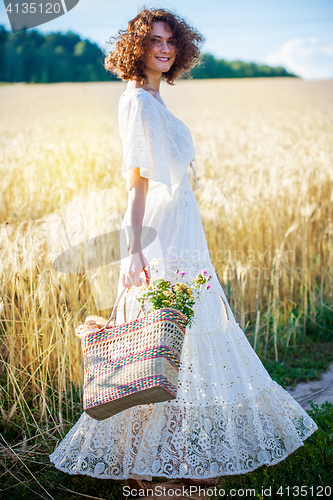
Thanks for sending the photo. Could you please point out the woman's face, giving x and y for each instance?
(162, 53)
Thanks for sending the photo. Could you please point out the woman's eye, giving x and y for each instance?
(159, 43)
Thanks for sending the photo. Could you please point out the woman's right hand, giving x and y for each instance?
(131, 274)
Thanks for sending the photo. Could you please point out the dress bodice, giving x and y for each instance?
(154, 140)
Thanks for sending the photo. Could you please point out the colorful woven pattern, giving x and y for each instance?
(167, 314)
(154, 352)
(125, 390)
(132, 363)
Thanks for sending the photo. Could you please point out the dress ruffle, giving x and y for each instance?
(176, 440)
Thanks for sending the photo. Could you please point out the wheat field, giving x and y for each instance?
(264, 163)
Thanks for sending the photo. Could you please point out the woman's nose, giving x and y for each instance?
(165, 47)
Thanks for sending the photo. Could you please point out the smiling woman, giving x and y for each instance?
(229, 416)
(151, 32)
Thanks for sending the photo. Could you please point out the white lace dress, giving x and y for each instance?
(229, 416)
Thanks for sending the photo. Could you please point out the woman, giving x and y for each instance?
(229, 416)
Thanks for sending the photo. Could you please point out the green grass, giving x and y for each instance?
(301, 363)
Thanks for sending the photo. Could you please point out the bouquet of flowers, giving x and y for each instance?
(181, 296)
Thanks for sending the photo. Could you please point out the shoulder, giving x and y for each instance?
(138, 113)
(138, 97)
(139, 106)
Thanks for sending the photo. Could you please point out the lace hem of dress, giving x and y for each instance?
(174, 441)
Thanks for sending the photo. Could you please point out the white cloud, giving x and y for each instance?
(306, 57)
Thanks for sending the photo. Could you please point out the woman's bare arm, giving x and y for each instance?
(136, 207)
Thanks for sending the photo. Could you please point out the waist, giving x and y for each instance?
(159, 187)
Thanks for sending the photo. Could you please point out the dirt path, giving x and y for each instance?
(318, 391)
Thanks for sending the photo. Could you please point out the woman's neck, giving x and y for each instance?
(153, 85)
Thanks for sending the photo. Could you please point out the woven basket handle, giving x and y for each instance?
(141, 310)
(223, 303)
(114, 309)
(113, 313)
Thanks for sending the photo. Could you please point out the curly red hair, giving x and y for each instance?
(132, 44)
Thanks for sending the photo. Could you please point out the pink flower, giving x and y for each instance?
(203, 271)
(208, 286)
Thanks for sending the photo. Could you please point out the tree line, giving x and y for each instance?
(219, 68)
(33, 57)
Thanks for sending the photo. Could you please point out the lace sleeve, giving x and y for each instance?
(144, 140)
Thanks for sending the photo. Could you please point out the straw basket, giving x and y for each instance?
(131, 364)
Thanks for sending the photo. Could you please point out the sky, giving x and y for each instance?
(295, 34)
